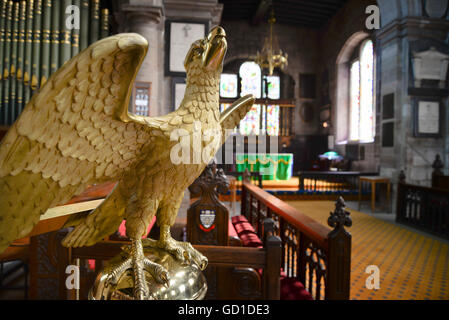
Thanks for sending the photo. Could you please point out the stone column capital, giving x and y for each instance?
(209, 10)
(142, 13)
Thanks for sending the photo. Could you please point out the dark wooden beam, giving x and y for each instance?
(261, 11)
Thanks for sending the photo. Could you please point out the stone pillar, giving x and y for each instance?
(146, 18)
(404, 25)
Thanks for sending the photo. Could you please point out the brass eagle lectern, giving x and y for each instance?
(77, 131)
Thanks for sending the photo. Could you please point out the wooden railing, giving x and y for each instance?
(316, 255)
(331, 180)
(423, 208)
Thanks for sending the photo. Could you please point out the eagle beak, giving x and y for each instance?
(216, 47)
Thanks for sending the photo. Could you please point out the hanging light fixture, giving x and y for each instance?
(271, 56)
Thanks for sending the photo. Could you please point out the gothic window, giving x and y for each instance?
(274, 87)
(228, 86)
(261, 119)
(251, 79)
(361, 91)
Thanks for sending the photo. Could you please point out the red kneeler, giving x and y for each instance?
(291, 288)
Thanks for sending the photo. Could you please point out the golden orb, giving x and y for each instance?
(186, 280)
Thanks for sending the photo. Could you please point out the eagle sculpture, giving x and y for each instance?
(76, 131)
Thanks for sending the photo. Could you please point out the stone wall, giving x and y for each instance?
(412, 154)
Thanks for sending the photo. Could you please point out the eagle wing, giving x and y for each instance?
(74, 132)
(231, 117)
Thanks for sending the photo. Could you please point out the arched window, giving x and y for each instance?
(261, 119)
(251, 79)
(361, 91)
(228, 86)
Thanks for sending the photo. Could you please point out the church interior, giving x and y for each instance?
(332, 185)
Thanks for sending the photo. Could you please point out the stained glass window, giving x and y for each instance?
(250, 125)
(261, 119)
(251, 78)
(355, 101)
(228, 85)
(263, 129)
(362, 95)
(274, 88)
(273, 120)
(367, 92)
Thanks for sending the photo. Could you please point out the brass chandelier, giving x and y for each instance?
(271, 56)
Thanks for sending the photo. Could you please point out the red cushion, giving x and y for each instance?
(231, 230)
(251, 240)
(244, 227)
(292, 289)
(240, 218)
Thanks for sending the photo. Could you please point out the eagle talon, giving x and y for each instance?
(183, 251)
(138, 263)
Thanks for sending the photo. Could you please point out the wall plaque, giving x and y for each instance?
(430, 65)
(427, 115)
(179, 37)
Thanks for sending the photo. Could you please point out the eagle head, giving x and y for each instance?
(207, 55)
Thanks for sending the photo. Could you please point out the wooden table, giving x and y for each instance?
(374, 180)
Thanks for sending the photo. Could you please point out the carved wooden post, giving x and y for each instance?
(207, 218)
(301, 181)
(339, 259)
(302, 259)
(437, 166)
(243, 196)
(273, 245)
(246, 177)
(268, 228)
